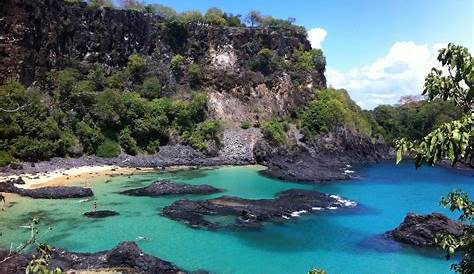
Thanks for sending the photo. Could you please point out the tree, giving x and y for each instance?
(254, 18)
(453, 140)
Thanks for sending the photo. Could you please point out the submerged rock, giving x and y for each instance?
(53, 192)
(126, 256)
(421, 230)
(245, 213)
(165, 187)
(100, 213)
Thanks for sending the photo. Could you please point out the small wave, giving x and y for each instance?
(298, 213)
(344, 202)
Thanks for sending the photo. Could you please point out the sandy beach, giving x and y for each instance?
(61, 177)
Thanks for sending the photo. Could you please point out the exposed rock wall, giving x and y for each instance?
(37, 36)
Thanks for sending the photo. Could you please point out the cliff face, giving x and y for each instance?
(37, 36)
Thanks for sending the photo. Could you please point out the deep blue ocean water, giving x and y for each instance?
(340, 242)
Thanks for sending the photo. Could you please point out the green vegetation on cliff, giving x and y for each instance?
(97, 113)
(332, 108)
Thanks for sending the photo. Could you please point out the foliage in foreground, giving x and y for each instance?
(454, 140)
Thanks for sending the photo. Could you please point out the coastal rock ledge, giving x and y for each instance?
(165, 187)
(126, 256)
(53, 192)
(421, 230)
(235, 212)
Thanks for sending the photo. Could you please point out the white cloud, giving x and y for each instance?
(316, 36)
(400, 72)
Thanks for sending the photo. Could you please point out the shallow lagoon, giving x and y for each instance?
(336, 241)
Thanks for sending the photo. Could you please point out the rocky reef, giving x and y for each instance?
(421, 230)
(101, 214)
(235, 212)
(126, 257)
(165, 187)
(56, 192)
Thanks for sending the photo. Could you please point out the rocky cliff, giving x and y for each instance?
(37, 36)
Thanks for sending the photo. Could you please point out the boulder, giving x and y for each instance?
(100, 213)
(165, 187)
(421, 230)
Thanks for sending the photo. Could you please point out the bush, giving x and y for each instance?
(177, 61)
(127, 142)
(153, 146)
(245, 125)
(274, 132)
(151, 88)
(136, 65)
(5, 158)
(195, 71)
(306, 61)
(90, 136)
(266, 62)
(195, 139)
(215, 16)
(332, 108)
(108, 149)
(192, 16)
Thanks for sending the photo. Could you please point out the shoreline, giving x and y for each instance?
(86, 174)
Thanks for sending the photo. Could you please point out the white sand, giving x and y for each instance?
(41, 179)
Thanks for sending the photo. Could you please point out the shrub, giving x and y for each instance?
(211, 129)
(90, 136)
(151, 88)
(153, 146)
(274, 131)
(245, 125)
(177, 61)
(192, 16)
(64, 80)
(136, 65)
(195, 139)
(215, 16)
(109, 148)
(117, 79)
(195, 71)
(266, 61)
(306, 61)
(127, 142)
(333, 108)
(5, 158)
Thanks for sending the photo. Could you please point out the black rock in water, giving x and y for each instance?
(160, 188)
(245, 213)
(126, 255)
(100, 213)
(52, 192)
(421, 230)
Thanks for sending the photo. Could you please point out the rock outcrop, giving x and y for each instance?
(421, 230)
(101, 214)
(56, 192)
(125, 256)
(165, 187)
(235, 212)
(328, 157)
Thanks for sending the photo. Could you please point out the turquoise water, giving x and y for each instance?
(338, 242)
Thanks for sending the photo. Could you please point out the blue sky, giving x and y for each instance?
(365, 40)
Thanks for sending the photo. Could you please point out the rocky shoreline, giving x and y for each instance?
(58, 192)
